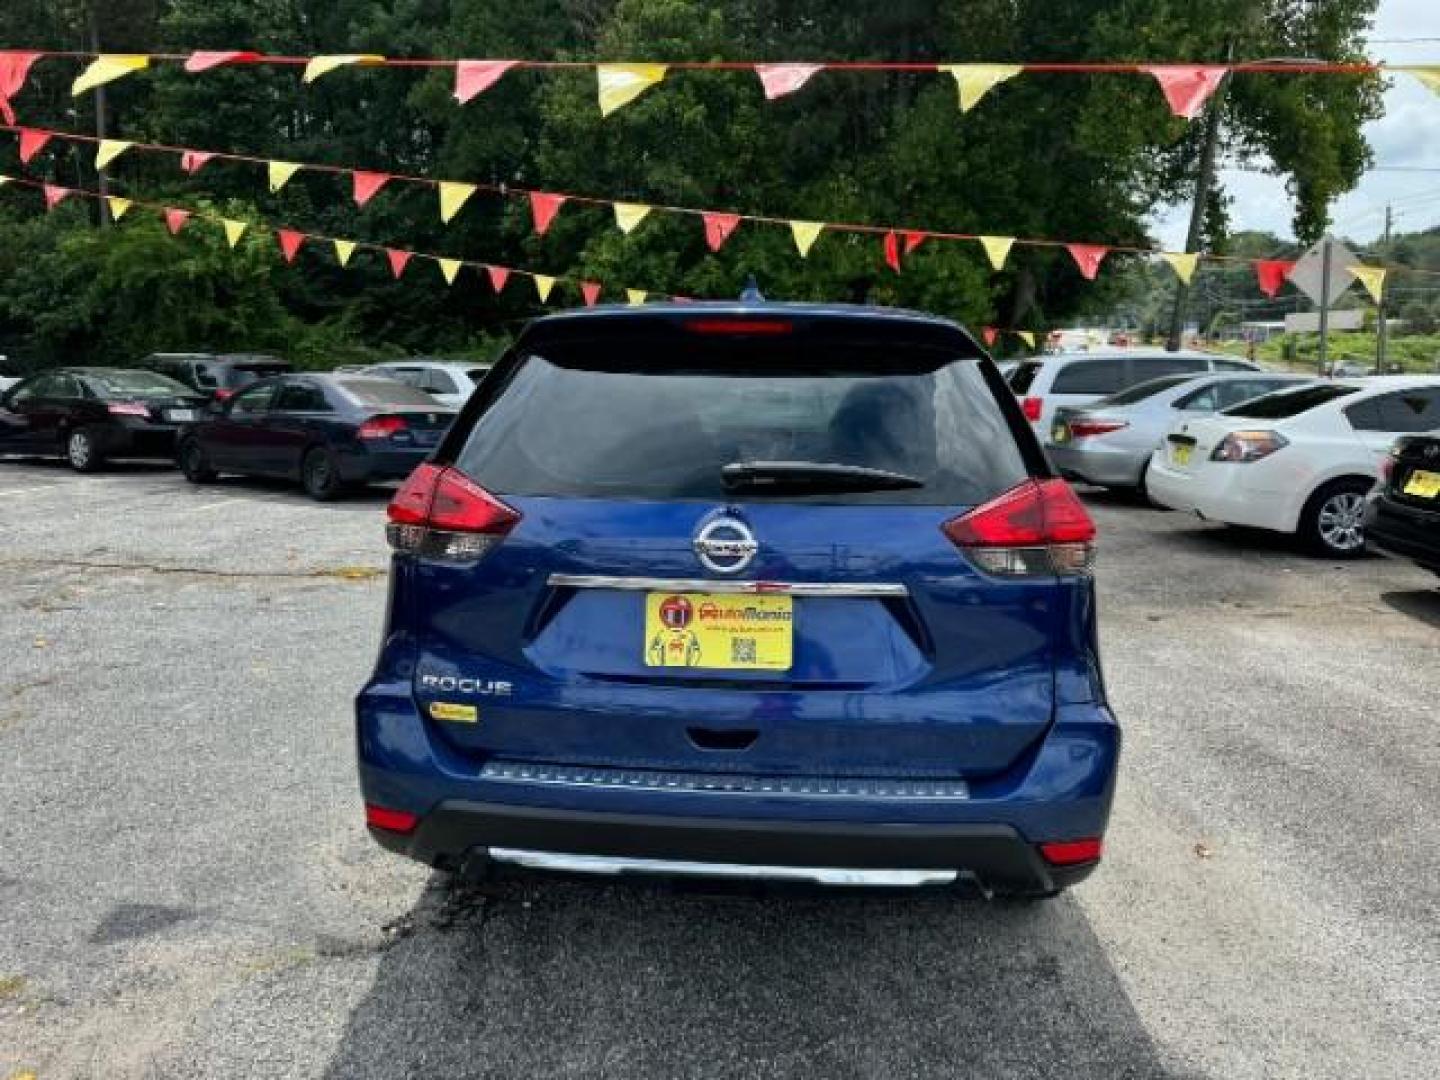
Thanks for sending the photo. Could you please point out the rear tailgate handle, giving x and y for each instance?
(716, 739)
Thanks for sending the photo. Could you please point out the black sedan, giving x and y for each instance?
(91, 415)
(1403, 515)
(330, 432)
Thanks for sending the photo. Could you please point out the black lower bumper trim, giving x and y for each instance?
(997, 855)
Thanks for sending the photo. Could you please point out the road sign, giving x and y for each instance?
(1309, 273)
(1308, 322)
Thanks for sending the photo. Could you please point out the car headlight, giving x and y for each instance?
(1246, 446)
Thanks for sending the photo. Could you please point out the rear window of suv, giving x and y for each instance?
(636, 427)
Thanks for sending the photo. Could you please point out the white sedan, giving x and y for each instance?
(1296, 461)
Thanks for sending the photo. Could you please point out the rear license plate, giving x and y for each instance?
(1423, 485)
(1060, 433)
(718, 631)
(179, 416)
(1180, 453)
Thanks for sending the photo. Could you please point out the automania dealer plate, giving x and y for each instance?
(720, 632)
(1423, 485)
(1180, 453)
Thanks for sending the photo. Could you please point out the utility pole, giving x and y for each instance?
(1202, 198)
(1324, 302)
(1382, 331)
(92, 25)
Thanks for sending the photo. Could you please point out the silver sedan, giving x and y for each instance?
(1109, 443)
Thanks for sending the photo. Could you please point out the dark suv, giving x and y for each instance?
(217, 377)
(757, 589)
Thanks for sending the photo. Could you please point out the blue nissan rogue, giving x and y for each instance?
(746, 590)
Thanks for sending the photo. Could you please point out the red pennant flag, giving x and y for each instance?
(543, 208)
(14, 68)
(1271, 274)
(175, 220)
(781, 79)
(892, 251)
(718, 228)
(913, 240)
(204, 61)
(498, 276)
(290, 242)
(192, 161)
(398, 261)
(591, 291)
(1187, 87)
(1088, 258)
(989, 334)
(474, 77)
(55, 195)
(31, 143)
(367, 184)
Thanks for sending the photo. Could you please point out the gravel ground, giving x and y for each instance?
(186, 889)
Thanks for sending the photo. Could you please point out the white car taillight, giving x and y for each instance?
(1242, 447)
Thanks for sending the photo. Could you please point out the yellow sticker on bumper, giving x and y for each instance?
(459, 714)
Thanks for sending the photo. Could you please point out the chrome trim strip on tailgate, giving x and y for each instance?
(702, 585)
(802, 787)
(822, 875)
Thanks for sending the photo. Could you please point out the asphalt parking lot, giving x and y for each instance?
(186, 889)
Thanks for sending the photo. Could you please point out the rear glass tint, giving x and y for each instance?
(1023, 376)
(567, 426)
(1144, 390)
(385, 394)
(1285, 403)
(1090, 377)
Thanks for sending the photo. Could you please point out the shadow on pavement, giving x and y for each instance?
(538, 978)
(1421, 604)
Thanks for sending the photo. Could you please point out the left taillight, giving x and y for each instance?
(382, 427)
(1037, 528)
(440, 513)
(127, 408)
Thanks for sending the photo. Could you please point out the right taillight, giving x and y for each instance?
(1243, 447)
(1387, 466)
(440, 513)
(1032, 407)
(1037, 528)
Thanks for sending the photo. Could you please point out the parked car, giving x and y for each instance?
(1072, 380)
(91, 415)
(217, 377)
(329, 432)
(1300, 460)
(1402, 515)
(448, 383)
(1110, 442)
(742, 589)
(7, 381)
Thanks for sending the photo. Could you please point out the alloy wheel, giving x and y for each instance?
(1341, 521)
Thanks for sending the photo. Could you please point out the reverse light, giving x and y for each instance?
(396, 821)
(382, 427)
(1032, 407)
(127, 408)
(1037, 528)
(1084, 429)
(440, 513)
(1071, 852)
(1243, 447)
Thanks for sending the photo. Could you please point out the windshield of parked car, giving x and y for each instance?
(1141, 391)
(136, 384)
(1285, 403)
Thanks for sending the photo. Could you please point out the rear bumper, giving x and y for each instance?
(138, 439)
(1233, 494)
(996, 855)
(1404, 531)
(1096, 464)
(366, 464)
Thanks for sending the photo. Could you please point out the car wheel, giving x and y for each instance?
(194, 464)
(321, 475)
(81, 451)
(1333, 522)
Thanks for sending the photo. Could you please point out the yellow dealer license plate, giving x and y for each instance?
(1180, 453)
(711, 630)
(1424, 485)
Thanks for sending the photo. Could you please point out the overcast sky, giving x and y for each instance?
(1408, 134)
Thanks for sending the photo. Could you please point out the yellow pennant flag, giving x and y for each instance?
(343, 250)
(233, 231)
(280, 173)
(104, 69)
(628, 215)
(118, 207)
(109, 150)
(1429, 75)
(1182, 262)
(450, 268)
(997, 248)
(974, 81)
(452, 197)
(1027, 336)
(323, 65)
(543, 285)
(1372, 277)
(805, 233)
(620, 84)
(635, 297)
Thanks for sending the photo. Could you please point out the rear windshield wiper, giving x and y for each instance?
(793, 476)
